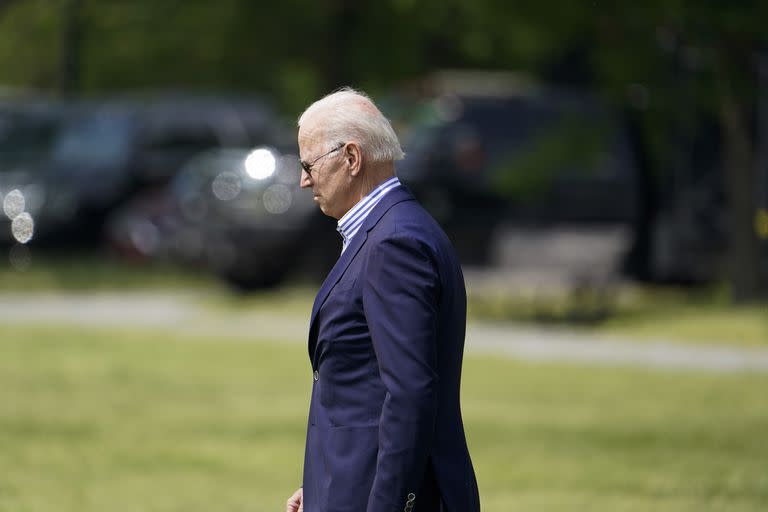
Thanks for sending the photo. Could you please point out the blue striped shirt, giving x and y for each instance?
(350, 223)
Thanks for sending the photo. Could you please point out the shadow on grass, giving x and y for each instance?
(702, 314)
(85, 271)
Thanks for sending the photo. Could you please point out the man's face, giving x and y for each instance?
(329, 182)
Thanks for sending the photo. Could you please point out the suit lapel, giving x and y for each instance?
(394, 196)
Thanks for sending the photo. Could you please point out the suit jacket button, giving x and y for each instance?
(411, 496)
(316, 375)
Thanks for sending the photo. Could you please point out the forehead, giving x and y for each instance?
(310, 135)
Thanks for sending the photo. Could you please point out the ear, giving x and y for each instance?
(353, 157)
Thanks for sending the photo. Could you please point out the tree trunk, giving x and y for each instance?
(70, 57)
(738, 165)
(345, 22)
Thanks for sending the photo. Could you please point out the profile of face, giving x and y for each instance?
(328, 169)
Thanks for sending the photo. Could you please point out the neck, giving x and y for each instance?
(374, 176)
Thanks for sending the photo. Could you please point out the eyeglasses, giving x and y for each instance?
(307, 167)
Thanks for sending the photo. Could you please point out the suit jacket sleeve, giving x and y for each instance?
(400, 298)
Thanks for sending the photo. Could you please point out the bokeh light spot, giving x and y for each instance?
(260, 164)
(13, 204)
(23, 227)
(226, 186)
(277, 199)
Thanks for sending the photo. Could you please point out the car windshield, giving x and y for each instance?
(96, 140)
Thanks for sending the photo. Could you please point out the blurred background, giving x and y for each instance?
(601, 168)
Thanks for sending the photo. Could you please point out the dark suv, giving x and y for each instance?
(109, 151)
(527, 161)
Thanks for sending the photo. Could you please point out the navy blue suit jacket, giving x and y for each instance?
(386, 341)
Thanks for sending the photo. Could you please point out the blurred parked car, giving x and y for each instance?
(238, 212)
(109, 151)
(28, 130)
(508, 166)
(532, 167)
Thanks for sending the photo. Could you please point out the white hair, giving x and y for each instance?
(348, 115)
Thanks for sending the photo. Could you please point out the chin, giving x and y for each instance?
(329, 213)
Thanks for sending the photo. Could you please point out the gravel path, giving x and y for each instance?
(187, 314)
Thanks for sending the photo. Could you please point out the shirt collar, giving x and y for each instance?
(351, 222)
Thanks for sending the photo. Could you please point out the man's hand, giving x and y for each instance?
(296, 502)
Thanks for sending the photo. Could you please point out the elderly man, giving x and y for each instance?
(386, 335)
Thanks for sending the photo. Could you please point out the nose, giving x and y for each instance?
(305, 180)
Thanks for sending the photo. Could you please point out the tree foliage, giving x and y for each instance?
(673, 60)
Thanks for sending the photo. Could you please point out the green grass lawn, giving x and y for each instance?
(97, 420)
(719, 324)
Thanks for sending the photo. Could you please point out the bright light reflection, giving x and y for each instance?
(13, 204)
(260, 164)
(23, 227)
